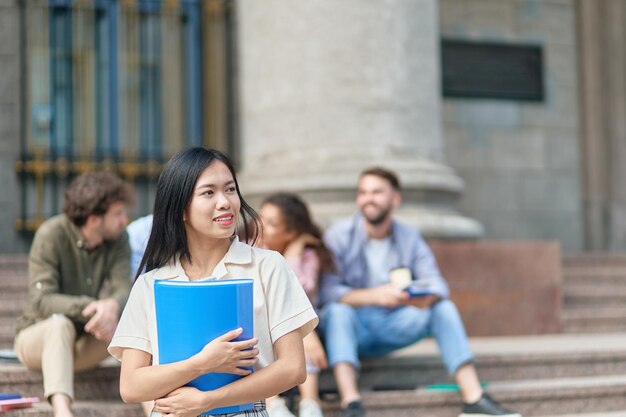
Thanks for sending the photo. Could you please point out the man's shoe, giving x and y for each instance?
(278, 408)
(486, 406)
(354, 409)
(309, 408)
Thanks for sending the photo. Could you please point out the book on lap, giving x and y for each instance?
(190, 314)
(417, 289)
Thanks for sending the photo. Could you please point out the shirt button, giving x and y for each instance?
(38, 285)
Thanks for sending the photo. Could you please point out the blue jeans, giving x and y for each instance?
(353, 332)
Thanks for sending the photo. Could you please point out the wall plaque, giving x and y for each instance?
(492, 70)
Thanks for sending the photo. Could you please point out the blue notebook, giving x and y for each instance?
(191, 314)
(4, 396)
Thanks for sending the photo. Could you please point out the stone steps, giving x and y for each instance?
(84, 409)
(594, 293)
(498, 359)
(620, 413)
(594, 319)
(551, 375)
(535, 397)
(568, 397)
(581, 295)
(7, 334)
(12, 307)
(594, 259)
(13, 295)
(596, 277)
(508, 366)
(96, 384)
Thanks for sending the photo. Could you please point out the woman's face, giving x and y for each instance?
(214, 207)
(275, 235)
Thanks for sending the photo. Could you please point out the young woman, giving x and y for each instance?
(289, 230)
(197, 208)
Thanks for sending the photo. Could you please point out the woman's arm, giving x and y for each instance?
(139, 381)
(286, 372)
(314, 350)
(307, 269)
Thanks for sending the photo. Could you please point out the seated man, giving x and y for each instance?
(66, 326)
(365, 314)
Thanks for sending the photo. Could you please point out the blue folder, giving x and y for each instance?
(191, 314)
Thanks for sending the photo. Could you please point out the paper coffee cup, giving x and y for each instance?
(400, 277)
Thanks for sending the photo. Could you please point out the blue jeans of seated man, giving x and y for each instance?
(353, 332)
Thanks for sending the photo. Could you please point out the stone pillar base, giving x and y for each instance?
(429, 191)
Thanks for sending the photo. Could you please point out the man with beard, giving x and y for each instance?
(368, 310)
(70, 320)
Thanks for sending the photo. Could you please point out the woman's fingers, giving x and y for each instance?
(228, 336)
(248, 362)
(245, 354)
(245, 344)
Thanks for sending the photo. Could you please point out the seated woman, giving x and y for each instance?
(288, 229)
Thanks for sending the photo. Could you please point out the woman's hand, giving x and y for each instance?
(222, 355)
(296, 246)
(315, 351)
(183, 402)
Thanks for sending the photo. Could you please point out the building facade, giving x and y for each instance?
(504, 118)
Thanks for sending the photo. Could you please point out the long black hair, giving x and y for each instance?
(174, 191)
(298, 219)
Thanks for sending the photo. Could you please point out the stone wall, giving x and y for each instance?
(10, 241)
(503, 287)
(520, 160)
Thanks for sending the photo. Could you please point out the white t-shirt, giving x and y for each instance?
(377, 253)
(280, 304)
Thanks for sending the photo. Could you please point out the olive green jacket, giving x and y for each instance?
(64, 276)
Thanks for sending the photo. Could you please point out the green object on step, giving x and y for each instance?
(449, 387)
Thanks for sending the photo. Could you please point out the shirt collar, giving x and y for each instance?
(361, 233)
(238, 253)
(77, 236)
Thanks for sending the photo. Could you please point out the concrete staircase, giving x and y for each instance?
(594, 293)
(577, 373)
(535, 375)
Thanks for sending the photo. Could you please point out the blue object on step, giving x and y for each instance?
(449, 387)
(8, 355)
(190, 314)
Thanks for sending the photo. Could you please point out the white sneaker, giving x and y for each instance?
(310, 408)
(278, 408)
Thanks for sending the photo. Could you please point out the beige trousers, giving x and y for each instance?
(51, 345)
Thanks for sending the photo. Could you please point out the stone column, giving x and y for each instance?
(331, 87)
(603, 98)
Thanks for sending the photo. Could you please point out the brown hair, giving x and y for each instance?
(92, 193)
(298, 219)
(385, 174)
